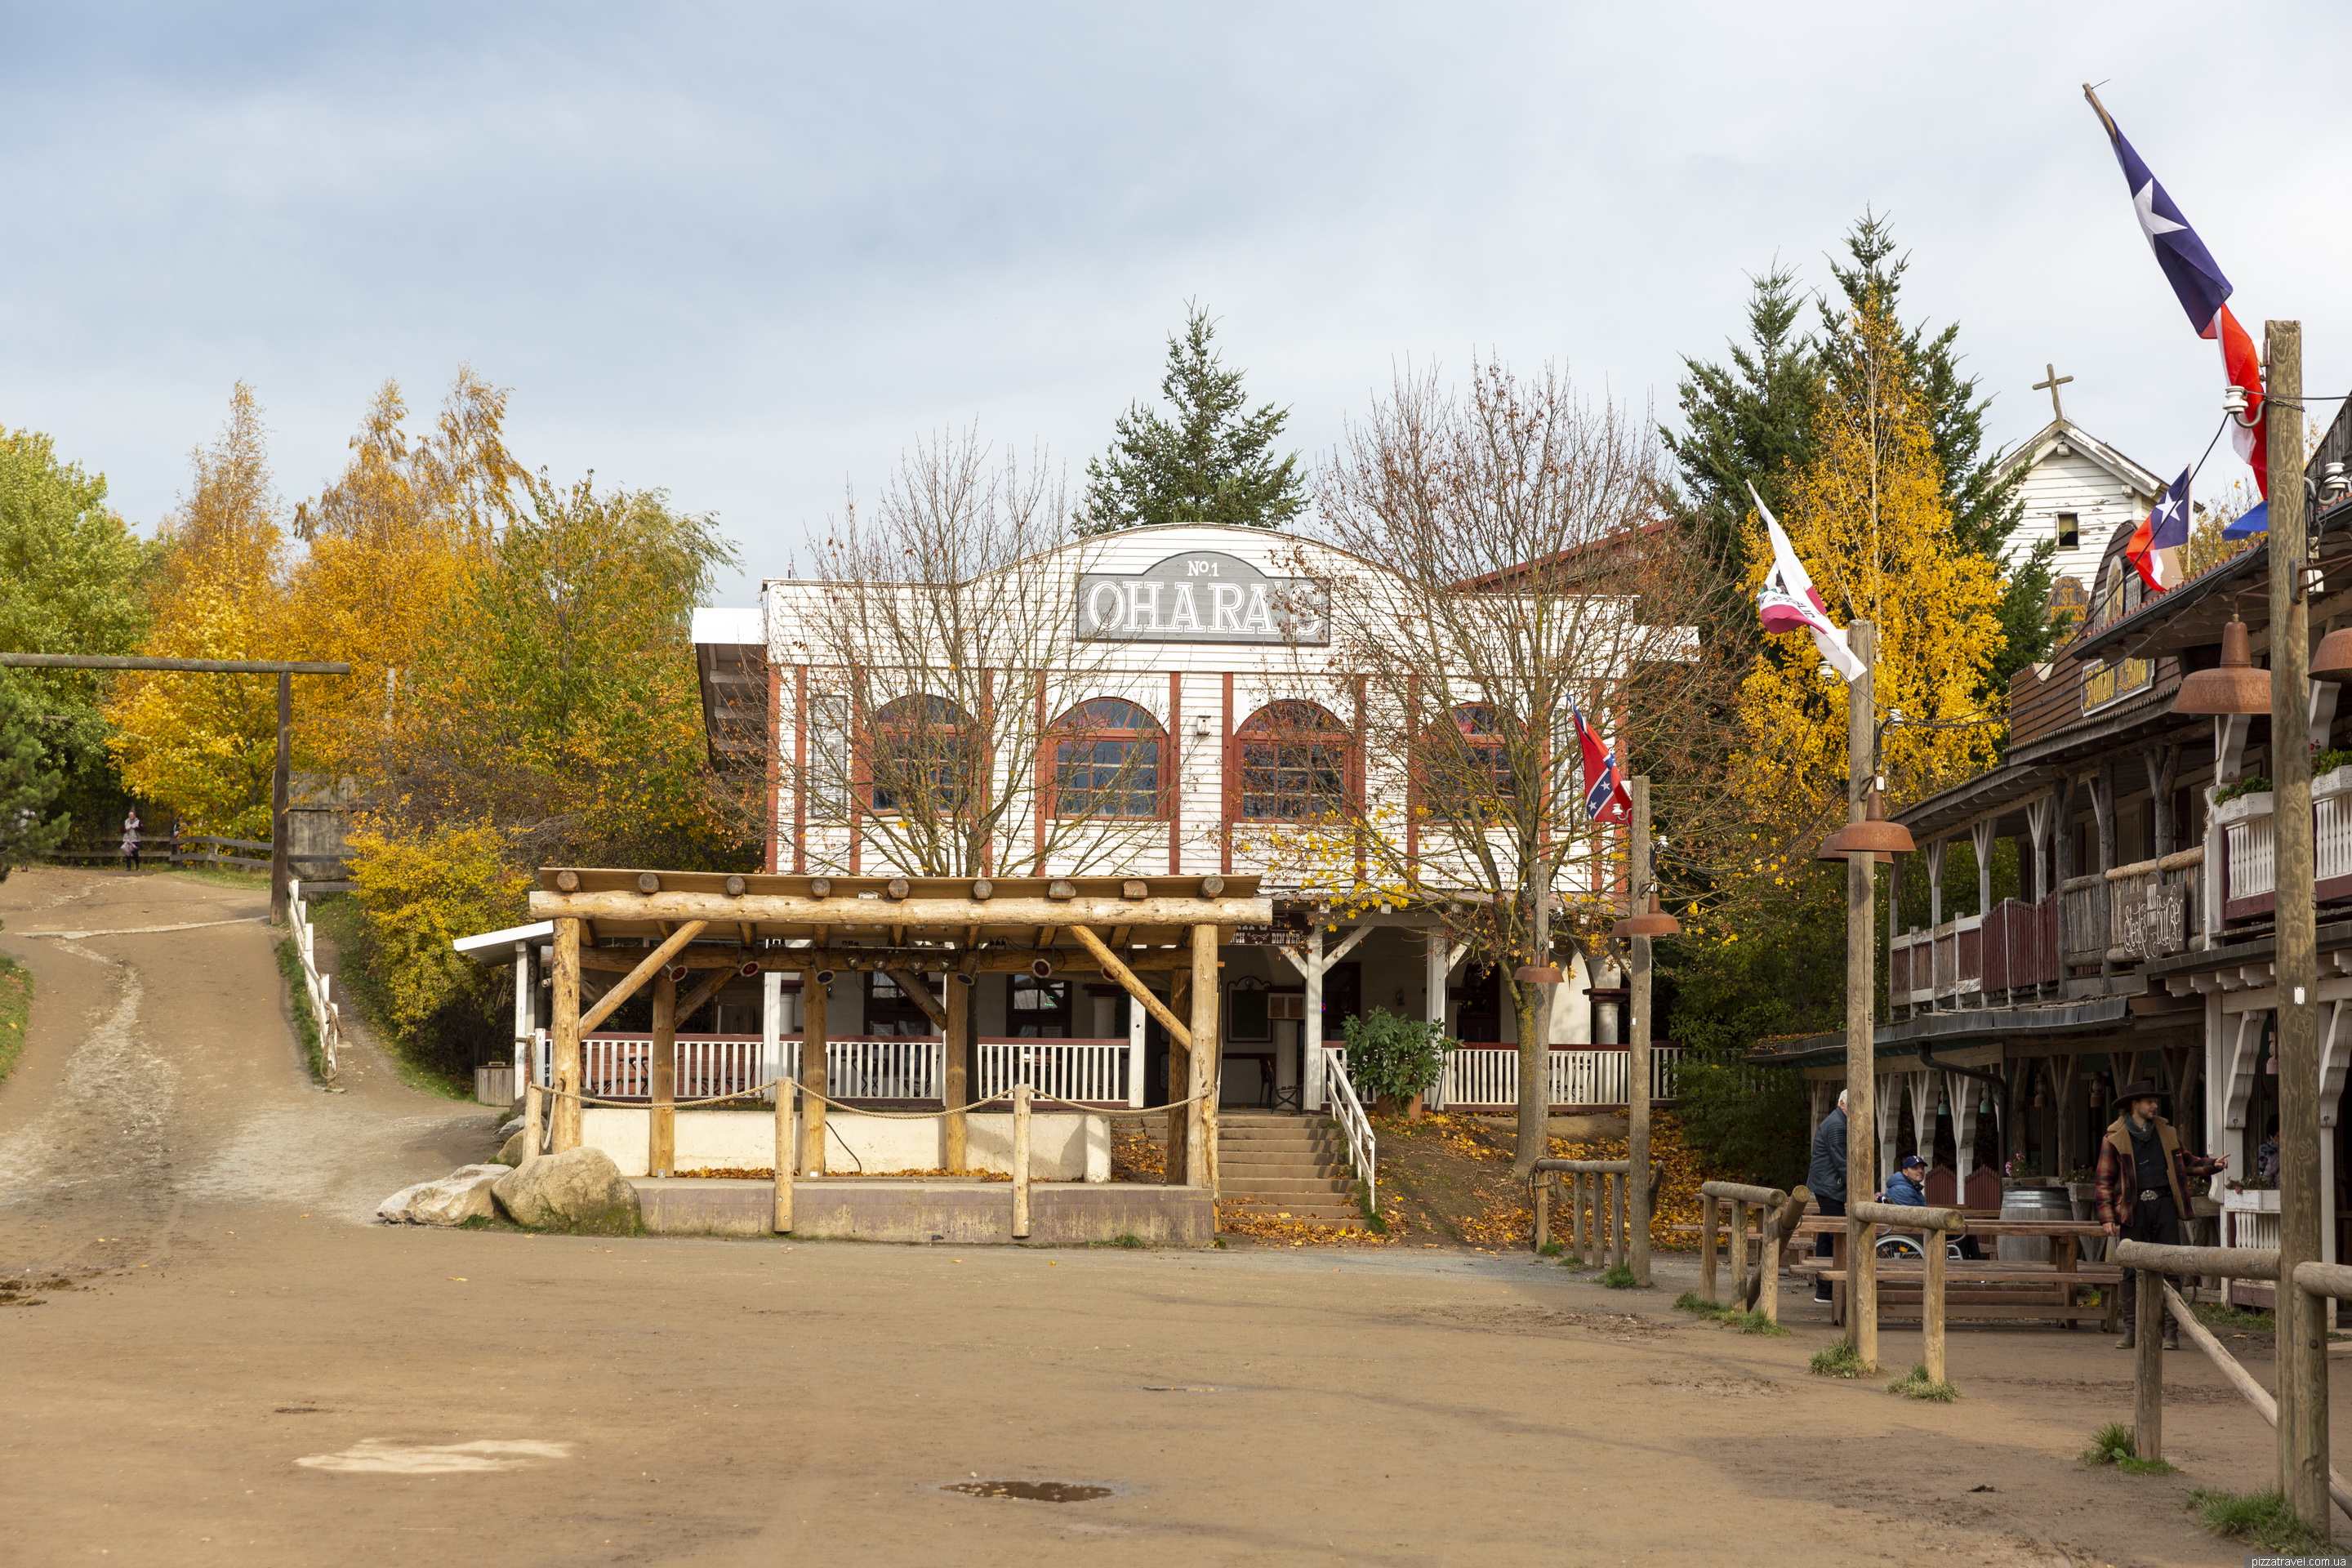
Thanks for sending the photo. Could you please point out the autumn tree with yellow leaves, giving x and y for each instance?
(1868, 516)
(207, 745)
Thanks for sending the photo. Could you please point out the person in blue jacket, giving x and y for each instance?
(1826, 1178)
(1907, 1187)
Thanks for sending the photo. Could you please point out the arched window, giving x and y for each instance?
(1105, 759)
(1465, 763)
(1295, 762)
(919, 755)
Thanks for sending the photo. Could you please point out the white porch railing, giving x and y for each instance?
(324, 1012)
(1092, 1072)
(1355, 1127)
(2253, 848)
(1489, 1076)
(619, 1066)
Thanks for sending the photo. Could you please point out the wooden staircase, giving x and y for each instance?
(1290, 1165)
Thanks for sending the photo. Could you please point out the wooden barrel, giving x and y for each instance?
(2033, 1204)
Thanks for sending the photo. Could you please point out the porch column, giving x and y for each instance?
(814, 995)
(1935, 882)
(1310, 1032)
(1201, 1153)
(1435, 970)
(1962, 1093)
(1981, 833)
(566, 1071)
(525, 1023)
(1138, 1022)
(661, 1116)
(2163, 765)
(771, 1066)
(2043, 818)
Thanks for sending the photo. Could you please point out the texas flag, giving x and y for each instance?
(1788, 603)
(2197, 282)
(2154, 547)
(1605, 798)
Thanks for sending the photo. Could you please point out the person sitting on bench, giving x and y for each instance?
(2142, 1190)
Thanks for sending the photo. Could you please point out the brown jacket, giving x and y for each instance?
(2118, 1178)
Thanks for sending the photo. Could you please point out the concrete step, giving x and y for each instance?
(1303, 1189)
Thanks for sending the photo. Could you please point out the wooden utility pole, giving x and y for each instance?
(1637, 1052)
(661, 1116)
(955, 1148)
(1201, 1148)
(2302, 1317)
(281, 895)
(814, 995)
(1861, 1025)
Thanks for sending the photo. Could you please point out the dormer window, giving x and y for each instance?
(2070, 535)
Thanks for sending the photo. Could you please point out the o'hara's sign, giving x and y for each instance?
(1204, 596)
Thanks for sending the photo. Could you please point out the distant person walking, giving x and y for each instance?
(1827, 1179)
(130, 840)
(2142, 1184)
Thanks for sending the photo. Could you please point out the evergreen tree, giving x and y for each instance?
(1986, 508)
(1209, 463)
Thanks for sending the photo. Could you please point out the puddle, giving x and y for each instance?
(1031, 1491)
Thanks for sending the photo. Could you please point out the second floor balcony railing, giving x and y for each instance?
(2248, 833)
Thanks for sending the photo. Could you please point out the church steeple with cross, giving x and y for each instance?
(2057, 409)
(2075, 491)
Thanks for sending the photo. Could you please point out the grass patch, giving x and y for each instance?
(1130, 1241)
(16, 1007)
(298, 1003)
(1730, 1317)
(2262, 1517)
(1915, 1385)
(1554, 1249)
(1617, 1276)
(2234, 1319)
(2114, 1444)
(1840, 1360)
(223, 877)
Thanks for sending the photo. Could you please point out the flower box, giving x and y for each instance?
(2247, 807)
(2334, 783)
(2250, 1200)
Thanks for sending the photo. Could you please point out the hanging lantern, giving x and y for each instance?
(1984, 1102)
(2332, 660)
(1873, 835)
(1652, 921)
(2234, 686)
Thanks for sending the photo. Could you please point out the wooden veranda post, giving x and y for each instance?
(2302, 1327)
(661, 1117)
(1637, 1063)
(1179, 1163)
(1860, 1023)
(1200, 1152)
(814, 999)
(565, 1123)
(1021, 1093)
(1706, 1249)
(771, 1026)
(956, 1091)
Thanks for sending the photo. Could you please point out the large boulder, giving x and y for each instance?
(580, 1190)
(461, 1196)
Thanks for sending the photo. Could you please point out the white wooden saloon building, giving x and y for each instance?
(1178, 728)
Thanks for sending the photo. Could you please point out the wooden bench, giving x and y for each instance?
(1982, 1289)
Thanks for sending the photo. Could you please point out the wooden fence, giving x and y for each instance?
(204, 849)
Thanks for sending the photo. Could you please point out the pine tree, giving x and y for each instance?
(28, 788)
(1209, 463)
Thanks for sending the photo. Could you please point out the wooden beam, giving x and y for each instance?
(565, 1070)
(622, 960)
(661, 1120)
(813, 1000)
(775, 909)
(956, 1092)
(1201, 1155)
(1116, 968)
(627, 985)
(918, 992)
(701, 993)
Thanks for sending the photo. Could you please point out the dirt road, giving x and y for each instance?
(244, 1371)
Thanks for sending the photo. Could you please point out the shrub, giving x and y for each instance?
(1915, 1385)
(1840, 1360)
(1752, 1125)
(2263, 1518)
(2114, 1444)
(1394, 1057)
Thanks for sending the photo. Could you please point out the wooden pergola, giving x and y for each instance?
(660, 927)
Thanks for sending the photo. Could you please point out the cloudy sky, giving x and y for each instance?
(744, 253)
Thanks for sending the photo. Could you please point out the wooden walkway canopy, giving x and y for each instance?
(662, 926)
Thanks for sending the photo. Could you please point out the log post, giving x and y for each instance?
(1021, 1093)
(1544, 1180)
(533, 1131)
(1767, 1268)
(1180, 1082)
(661, 1116)
(1738, 1249)
(1861, 999)
(772, 1026)
(1201, 1155)
(564, 1132)
(1706, 1249)
(1622, 1191)
(2148, 1370)
(1931, 1306)
(1574, 1187)
(957, 1091)
(814, 995)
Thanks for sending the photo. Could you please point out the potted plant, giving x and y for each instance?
(2243, 800)
(2331, 772)
(2022, 1171)
(1395, 1060)
(2082, 1190)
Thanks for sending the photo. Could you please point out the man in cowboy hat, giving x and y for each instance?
(2143, 1189)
